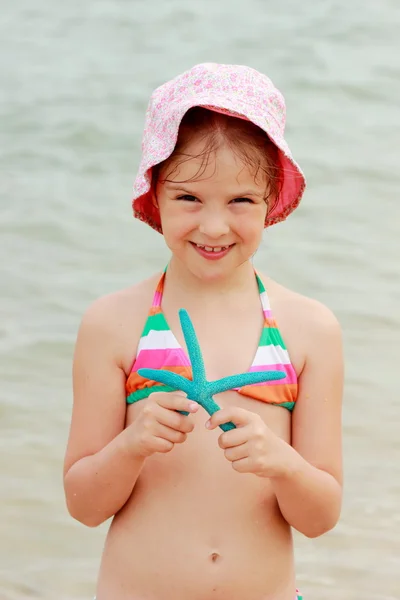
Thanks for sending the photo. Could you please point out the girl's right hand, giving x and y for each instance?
(158, 427)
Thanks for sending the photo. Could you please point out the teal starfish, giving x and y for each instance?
(199, 389)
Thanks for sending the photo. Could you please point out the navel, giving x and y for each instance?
(215, 556)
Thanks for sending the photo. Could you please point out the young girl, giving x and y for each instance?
(202, 514)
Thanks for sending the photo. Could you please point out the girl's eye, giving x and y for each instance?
(187, 197)
(190, 198)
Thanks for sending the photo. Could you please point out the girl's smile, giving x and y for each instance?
(216, 209)
(212, 252)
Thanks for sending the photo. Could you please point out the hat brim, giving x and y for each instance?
(292, 188)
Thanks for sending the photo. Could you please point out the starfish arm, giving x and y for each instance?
(196, 359)
(227, 426)
(237, 381)
(209, 404)
(168, 378)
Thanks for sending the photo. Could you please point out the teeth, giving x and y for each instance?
(211, 249)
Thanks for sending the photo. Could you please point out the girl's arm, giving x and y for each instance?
(310, 493)
(100, 468)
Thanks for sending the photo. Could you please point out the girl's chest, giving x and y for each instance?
(228, 345)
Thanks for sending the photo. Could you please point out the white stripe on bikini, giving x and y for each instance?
(271, 355)
(265, 355)
(265, 301)
(158, 340)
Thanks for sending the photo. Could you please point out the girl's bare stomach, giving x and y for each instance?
(195, 529)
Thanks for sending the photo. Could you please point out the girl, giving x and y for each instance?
(201, 514)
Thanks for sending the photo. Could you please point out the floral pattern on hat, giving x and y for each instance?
(235, 90)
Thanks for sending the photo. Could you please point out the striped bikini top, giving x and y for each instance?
(159, 349)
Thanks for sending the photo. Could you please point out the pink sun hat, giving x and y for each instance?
(235, 90)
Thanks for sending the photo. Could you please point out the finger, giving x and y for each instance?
(174, 420)
(237, 453)
(175, 401)
(234, 437)
(163, 446)
(171, 435)
(242, 466)
(239, 416)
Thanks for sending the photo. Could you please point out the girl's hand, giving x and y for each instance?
(252, 447)
(158, 427)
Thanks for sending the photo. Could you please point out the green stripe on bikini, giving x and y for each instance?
(145, 392)
(288, 405)
(271, 335)
(155, 322)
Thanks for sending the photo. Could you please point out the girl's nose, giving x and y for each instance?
(214, 224)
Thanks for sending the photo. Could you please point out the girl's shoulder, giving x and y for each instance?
(289, 304)
(306, 323)
(117, 319)
(129, 302)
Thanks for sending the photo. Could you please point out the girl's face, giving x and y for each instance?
(215, 222)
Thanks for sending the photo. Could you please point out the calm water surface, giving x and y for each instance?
(74, 83)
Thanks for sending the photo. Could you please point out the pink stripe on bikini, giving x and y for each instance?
(163, 357)
(291, 376)
(157, 299)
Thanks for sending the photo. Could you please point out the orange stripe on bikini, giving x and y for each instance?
(137, 382)
(272, 394)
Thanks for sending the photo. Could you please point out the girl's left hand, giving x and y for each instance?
(252, 447)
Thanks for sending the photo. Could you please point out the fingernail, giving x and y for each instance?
(208, 424)
(193, 406)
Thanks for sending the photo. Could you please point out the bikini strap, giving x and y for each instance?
(266, 306)
(158, 294)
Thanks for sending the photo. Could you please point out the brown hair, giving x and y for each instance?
(245, 139)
